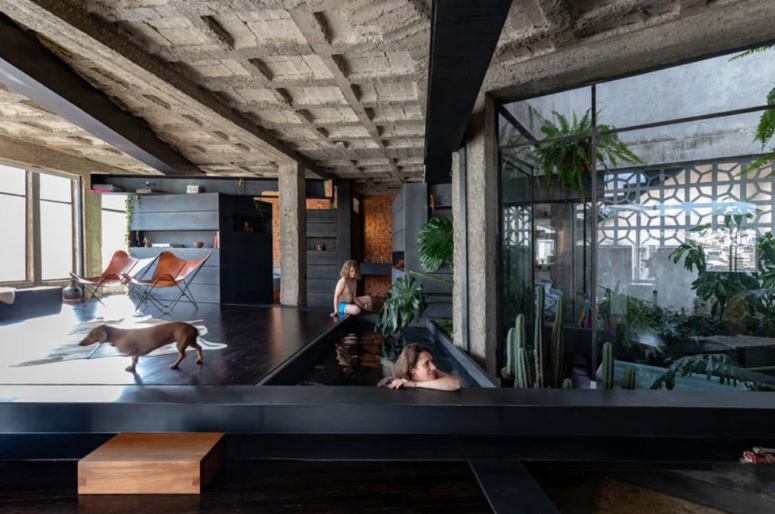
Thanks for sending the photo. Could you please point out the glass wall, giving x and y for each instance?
(677, 271)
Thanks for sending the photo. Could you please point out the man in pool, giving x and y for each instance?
(415, 369)
(345, 301)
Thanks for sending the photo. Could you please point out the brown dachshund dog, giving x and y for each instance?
(142, 341)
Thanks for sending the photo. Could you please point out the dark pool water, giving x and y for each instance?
(363, 358)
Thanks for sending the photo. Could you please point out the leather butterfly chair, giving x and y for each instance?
(120, 265)
(138, 271)
(171, 271)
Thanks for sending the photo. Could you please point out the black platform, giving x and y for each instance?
(32, 302)
(259, 339)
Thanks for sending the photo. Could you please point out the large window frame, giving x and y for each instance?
(502, 112)
(34, 268)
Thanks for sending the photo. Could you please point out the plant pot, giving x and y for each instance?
(198, 244)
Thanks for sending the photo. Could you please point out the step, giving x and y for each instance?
(152, 463)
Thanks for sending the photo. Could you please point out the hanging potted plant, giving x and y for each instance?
(567, 161)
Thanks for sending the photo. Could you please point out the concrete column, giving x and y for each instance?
(293, 235)
(92, 231)
(459, 314)
(481, 200)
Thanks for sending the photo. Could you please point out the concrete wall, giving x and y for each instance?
(703, 87)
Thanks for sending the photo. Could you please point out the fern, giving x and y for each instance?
(566, 161)
(753, 51)
(766, 128)
(711, 365)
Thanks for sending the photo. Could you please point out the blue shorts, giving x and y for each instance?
(342, 306)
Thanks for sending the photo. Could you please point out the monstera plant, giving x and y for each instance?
(406, 300)
(436, 243)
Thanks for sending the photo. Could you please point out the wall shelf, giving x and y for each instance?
(376, 269)
(240, 271)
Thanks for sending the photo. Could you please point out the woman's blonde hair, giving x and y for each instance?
(345, 273)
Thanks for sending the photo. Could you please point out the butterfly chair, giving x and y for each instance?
(138, 271)
(120, 264)
(171, 271)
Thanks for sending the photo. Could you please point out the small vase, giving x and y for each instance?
(72, 293)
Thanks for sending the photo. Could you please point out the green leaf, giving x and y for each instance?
(403, 303)
(436, 244)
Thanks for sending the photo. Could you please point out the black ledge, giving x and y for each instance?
(369, 410)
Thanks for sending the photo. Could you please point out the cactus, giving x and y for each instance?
(628, 382)
(511, 357)
(522, 379)
(557, 355)
(520, 331)
(514, 340)
(567, 383)
(538, 340)
(608, 366)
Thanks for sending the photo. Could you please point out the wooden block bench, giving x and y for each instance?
(152, 463)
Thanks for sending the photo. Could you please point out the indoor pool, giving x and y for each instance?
(363, 358)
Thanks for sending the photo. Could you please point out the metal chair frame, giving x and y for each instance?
(96, 294)
(147, 296)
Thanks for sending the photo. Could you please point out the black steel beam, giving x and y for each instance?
(29, 68)
(464, 35)
(176, 184)
(573, 452)
(509, 487)
(371, 410)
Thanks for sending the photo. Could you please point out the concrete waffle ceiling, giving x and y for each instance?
(237, 86)
(23, 120)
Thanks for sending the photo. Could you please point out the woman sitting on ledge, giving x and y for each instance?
(345, 301)
(415, 369)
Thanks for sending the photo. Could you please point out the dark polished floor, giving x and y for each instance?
(268, 487)
(258, 339)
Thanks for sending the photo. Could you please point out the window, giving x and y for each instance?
(679, 211)
(13, 229)
(113, 226)
(56, 226)
(33, 203)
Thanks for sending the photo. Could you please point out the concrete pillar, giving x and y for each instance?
(459, 306)
(481, 200)
(92, 231)
(293, 235)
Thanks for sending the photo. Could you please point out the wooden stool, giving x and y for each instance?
(152, 463)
